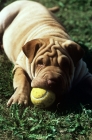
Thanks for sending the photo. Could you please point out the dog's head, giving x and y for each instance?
(52, 63)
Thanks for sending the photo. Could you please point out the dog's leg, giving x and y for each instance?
(6, 18)
(8, 14)
(21, 83)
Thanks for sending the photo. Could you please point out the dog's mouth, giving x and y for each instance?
(57, 86)
(51, 80)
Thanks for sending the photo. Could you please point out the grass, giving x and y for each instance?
(36, 124)
(73, 123)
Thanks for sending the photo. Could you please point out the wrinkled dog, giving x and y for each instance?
(42, 52)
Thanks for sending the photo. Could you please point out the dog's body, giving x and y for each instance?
(42, 52)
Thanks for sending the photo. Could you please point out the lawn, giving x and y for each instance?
(70, 123)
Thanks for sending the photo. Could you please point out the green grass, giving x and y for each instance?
(36, 124)
(73, 123)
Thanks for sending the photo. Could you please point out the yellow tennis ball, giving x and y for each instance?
(42, 98)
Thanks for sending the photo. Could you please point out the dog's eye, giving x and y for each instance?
(43, 61)
(40, 62)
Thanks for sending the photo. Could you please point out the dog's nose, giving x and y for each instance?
(51, 82)
(54, 83)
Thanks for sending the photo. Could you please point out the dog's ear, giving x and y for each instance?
(30, 48)
(74, 50)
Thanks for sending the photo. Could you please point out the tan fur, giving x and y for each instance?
(39, 47)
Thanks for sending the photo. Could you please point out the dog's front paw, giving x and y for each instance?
(20, 97)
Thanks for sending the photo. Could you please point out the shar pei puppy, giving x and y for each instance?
(43, 54)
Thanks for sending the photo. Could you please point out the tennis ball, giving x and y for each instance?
(42, 98)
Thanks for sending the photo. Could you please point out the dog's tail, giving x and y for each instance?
(54, 9)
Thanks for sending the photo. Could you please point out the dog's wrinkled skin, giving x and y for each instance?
(43, 54)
